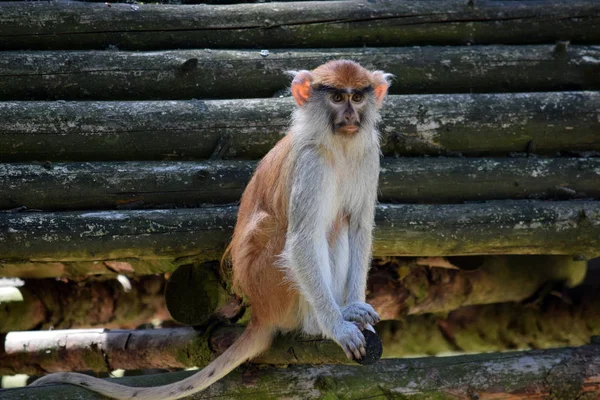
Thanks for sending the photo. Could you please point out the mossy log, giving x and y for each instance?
(196, 293)
(566, 374)
(78, 25)
(122, 185)
(174, 237)
(29, 269)
(114, 235)
(569, 320)
(103, 350)
(51, 304)
(188, 74)
(396, 288)
(403, 286)
(470, 124)
(399, 287)
(564, 318)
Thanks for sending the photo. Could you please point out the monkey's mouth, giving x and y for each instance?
(347, 129)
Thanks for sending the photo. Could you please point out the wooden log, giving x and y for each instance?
(471, 124)
(503, 227)
(28, 269)
(123, 185)
(566, 374)
(187, 74)
(482, 328)
(107, 235)
(396, 288)
(52, 304)
(77, 25)
(197, 293)
(565, 318)
(181, 235)
(105, 350)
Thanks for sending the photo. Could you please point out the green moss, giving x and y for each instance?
(93, 359)
(197, 352)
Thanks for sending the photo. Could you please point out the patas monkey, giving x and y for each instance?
(301, 247)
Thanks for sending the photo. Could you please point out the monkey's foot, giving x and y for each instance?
(361, 313)
(352, 341)
(373, 346)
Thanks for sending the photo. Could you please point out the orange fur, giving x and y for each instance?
(342, 74)
(259, 237)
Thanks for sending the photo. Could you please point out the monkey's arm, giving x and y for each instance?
(308, 252)
(360, 236)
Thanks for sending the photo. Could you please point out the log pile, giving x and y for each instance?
(567, 373)
(129, 131)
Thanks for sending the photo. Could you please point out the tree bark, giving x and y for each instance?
(197, 293)
(189, 74)
(77, 25)
(180, 236)
(52, 304)
(247, 129)
(29, 269)
(397, 287)
(566, 374)
(554, 321)
(122, 185)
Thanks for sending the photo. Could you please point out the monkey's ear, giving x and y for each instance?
(383, 82)
(301, 86)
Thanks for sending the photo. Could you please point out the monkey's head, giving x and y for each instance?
(342, 91)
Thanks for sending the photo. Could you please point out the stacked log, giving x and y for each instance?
(129, 131)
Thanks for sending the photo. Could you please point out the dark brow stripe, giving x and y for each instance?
(366, 89)
(361, 91)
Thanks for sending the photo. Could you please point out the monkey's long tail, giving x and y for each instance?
(251, 343)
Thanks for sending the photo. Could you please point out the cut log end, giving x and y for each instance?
(194, 294)
(374, 348)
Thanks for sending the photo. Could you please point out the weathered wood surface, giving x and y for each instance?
(174, 237)
(399, 287)
(471, 124)
(543, 321)
(187, 74)
(52, 304)
(566, 374)
(122, 185)
(28, 269)
(396, 288)
(404, 286)
(110, 235)
(196, 293)
(78, 25)
(553, 322)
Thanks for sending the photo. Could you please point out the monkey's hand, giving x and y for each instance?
(351, 339)
(361, 313)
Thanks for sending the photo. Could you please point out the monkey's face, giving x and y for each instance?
(346, 107)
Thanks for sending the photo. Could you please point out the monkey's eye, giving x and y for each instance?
(357, 98)
(337, 97)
